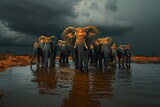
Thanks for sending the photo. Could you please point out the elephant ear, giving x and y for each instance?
(53, 38)
(41, 39)
(47, 39)
(92, 34)
(68, 35)
(109, 41)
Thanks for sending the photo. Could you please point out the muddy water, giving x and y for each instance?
(64, 86)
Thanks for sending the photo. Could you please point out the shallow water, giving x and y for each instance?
(64, 86)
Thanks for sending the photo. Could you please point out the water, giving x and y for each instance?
(64, 86)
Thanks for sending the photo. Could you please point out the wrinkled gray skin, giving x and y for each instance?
(97, 55)
(35, 54)
(81, 39)
(38, 51)
(50, 49)
(62, 47)
(103, 51)
(113, 56)
(124, 52)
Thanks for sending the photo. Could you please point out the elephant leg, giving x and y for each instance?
(46, 54)
(67, 56)
(73, 56)
(63, 58)
(114, 58)
(86, 59)
(35, 53)
(105, 60)
(100, 63)
(80, 61)
(38, 57)
(80, 57)
(96, 61)
(52, 58)
(76, 58)
(60, 58)
(129, 61)
(99, 59)
(123, 60)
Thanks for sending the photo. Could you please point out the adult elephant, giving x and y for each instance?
(103, 49)
(38, 50)
(41, 43)
(124, 51)
(62, 47)
(80, 38)
(97, 53)
(50, 49)
(113, 53)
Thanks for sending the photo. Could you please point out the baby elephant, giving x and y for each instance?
(124, 51)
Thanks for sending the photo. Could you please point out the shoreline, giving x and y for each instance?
(11, 61)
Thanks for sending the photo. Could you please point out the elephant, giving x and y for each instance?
(50, 50)
(91, 55)
(124, 51)
(105, 48)
(113, 53)
(62, 47)
(105, 51)
(35, 51)
(38, 50)
(97, 53)
(80, 38)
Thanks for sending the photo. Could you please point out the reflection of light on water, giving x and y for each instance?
(65, 77)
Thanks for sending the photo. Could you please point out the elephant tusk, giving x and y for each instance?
(75, 45)
(85, 45)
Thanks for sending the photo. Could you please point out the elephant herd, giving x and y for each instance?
(84, 45)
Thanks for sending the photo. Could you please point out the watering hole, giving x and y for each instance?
(63, 86)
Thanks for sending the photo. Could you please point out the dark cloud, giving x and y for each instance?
(115, 30)
(93, 6)
(86, 14)
(37, 16)
(111, 5)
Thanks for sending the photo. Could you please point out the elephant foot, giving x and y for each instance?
(52, 65)
(86, 69)
(81, 70)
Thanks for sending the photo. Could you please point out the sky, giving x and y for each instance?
(136, 22)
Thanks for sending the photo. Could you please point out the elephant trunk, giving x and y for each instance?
(80, 48)
(46, 50)
(105, 50)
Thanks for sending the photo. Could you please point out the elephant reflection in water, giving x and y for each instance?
(124, 52)
(54, 80)
(80, 39)
(90, 88)
(46, 81)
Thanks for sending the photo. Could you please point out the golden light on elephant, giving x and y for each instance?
(80, 34)
(36, 45)
(47, 39)
(81, 38)
(41, 39)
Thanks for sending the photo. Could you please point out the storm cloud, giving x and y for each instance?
(111, 5)
(126, 21)
(28, 19)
